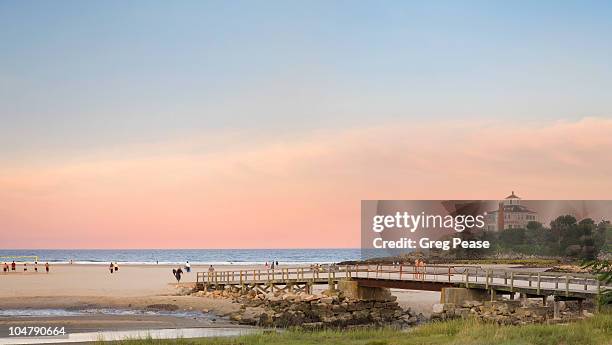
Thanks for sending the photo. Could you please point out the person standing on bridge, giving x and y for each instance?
(423, 269)
(419, 265)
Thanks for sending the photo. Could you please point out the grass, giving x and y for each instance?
(594, 331)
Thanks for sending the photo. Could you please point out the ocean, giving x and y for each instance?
(177, 256)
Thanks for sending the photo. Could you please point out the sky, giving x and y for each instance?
(243, 124)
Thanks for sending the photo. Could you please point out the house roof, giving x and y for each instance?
(512, 196)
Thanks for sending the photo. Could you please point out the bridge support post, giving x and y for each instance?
(353, 290)
(544, 298)
(458, 296)
(556, 310)
(598, 295)
(493, 295)
(331, 285)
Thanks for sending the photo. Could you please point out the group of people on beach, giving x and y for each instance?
(13, 267)
(113, 267)
(272, 264)
(178, 272)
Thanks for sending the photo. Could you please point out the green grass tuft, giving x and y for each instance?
(593, 331)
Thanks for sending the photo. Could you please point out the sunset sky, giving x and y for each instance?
(262, 124)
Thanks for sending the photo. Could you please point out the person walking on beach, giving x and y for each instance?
(187, 267)
(5, 268)
(25, 267)
(116, 265)
(111, 267)
(177, 274)
(13, 265)
(35, 266)
(47, 267)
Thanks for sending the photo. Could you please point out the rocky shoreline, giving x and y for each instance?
(316, 311)
(510, 312)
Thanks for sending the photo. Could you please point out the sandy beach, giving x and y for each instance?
(92, 286)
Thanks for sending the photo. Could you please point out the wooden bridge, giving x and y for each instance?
(567, 286)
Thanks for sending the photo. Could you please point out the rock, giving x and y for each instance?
(449, 306)
(310, 298)
(251, 316)
(438, 308)
(327, 300)
(463, 312)
(313, 325)
(162, 307)
(562, 305)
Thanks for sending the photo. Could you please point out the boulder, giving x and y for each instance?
(438, 308)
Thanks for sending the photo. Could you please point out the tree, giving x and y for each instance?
(512, 237)
(586, 228)
(602, 237)
(535, 233)
(564, 229)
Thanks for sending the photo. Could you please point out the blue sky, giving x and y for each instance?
(122, 119)
(77, 74)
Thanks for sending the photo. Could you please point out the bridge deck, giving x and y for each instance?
(435, 277)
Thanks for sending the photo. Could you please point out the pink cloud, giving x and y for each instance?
(301, 192)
